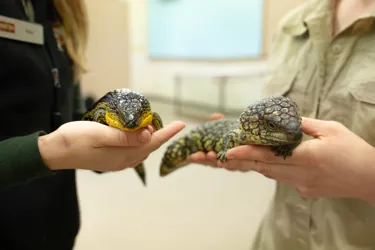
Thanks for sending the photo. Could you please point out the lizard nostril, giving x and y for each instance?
(294, 135)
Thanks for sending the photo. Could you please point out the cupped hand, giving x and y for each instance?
(93, 146)
(335, 163)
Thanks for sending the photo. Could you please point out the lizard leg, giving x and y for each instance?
(283, 150)
(157, 121)
(231, 139)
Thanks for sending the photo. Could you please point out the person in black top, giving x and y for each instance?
(42, 48)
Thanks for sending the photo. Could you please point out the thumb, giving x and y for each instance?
(113, 137)
(217, 116)
(315, 127)
(163, 135)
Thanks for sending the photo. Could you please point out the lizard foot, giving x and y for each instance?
(222, 156)
(283, 151)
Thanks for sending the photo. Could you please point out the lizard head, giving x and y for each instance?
(128, 110)
(273, 120)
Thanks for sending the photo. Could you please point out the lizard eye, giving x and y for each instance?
(271, 125)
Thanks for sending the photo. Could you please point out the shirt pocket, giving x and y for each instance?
(363, 108)
(279, 84)
(363, 91)
(288, 83)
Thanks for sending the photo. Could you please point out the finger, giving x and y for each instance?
(212, 156)
(318, 128)
(163, 135)
(277, 172)
(108, 136)
(203, 159)
(196, 157)
(217, 116)
(264, 154)
(205, 163)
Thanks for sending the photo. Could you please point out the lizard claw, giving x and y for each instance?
(282, 151)
(222, 156)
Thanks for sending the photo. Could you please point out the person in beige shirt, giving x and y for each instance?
(323, 57)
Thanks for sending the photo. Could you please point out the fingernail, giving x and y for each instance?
(144, 136)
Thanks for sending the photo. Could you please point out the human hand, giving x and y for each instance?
(93, 146)
(335, 163)
(208, 159)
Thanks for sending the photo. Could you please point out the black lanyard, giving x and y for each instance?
(52, 55)
(40, 10)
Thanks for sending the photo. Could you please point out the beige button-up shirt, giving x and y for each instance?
(331, 78)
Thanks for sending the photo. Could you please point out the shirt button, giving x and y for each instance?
(336, 49)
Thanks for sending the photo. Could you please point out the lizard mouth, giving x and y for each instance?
(284, 138)
(113, 120)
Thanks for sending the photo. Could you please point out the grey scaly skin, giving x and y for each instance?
(273, 121)
(126, 110)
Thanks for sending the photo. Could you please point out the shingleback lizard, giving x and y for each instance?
(126, 110)
(273, 121)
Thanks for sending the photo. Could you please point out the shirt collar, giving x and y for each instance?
(313, 12)
(297, 25)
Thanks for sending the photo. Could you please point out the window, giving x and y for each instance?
(205, 29)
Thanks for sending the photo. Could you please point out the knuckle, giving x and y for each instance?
(307, 189)
(123, 138)
(304, 191)
(267, 171)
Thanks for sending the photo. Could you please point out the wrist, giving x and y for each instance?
(369, 177)
(52, 150)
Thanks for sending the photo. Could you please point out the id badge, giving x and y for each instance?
(20, 30)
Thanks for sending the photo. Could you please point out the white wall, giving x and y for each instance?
(108, 47)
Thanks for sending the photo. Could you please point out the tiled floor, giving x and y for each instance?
(195, 208)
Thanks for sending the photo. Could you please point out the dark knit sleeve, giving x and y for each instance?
(20, 160)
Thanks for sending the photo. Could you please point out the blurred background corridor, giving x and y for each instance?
(137, 44)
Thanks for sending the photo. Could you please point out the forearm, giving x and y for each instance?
(20, 161)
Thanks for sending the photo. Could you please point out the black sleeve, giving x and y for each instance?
(20, 160)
